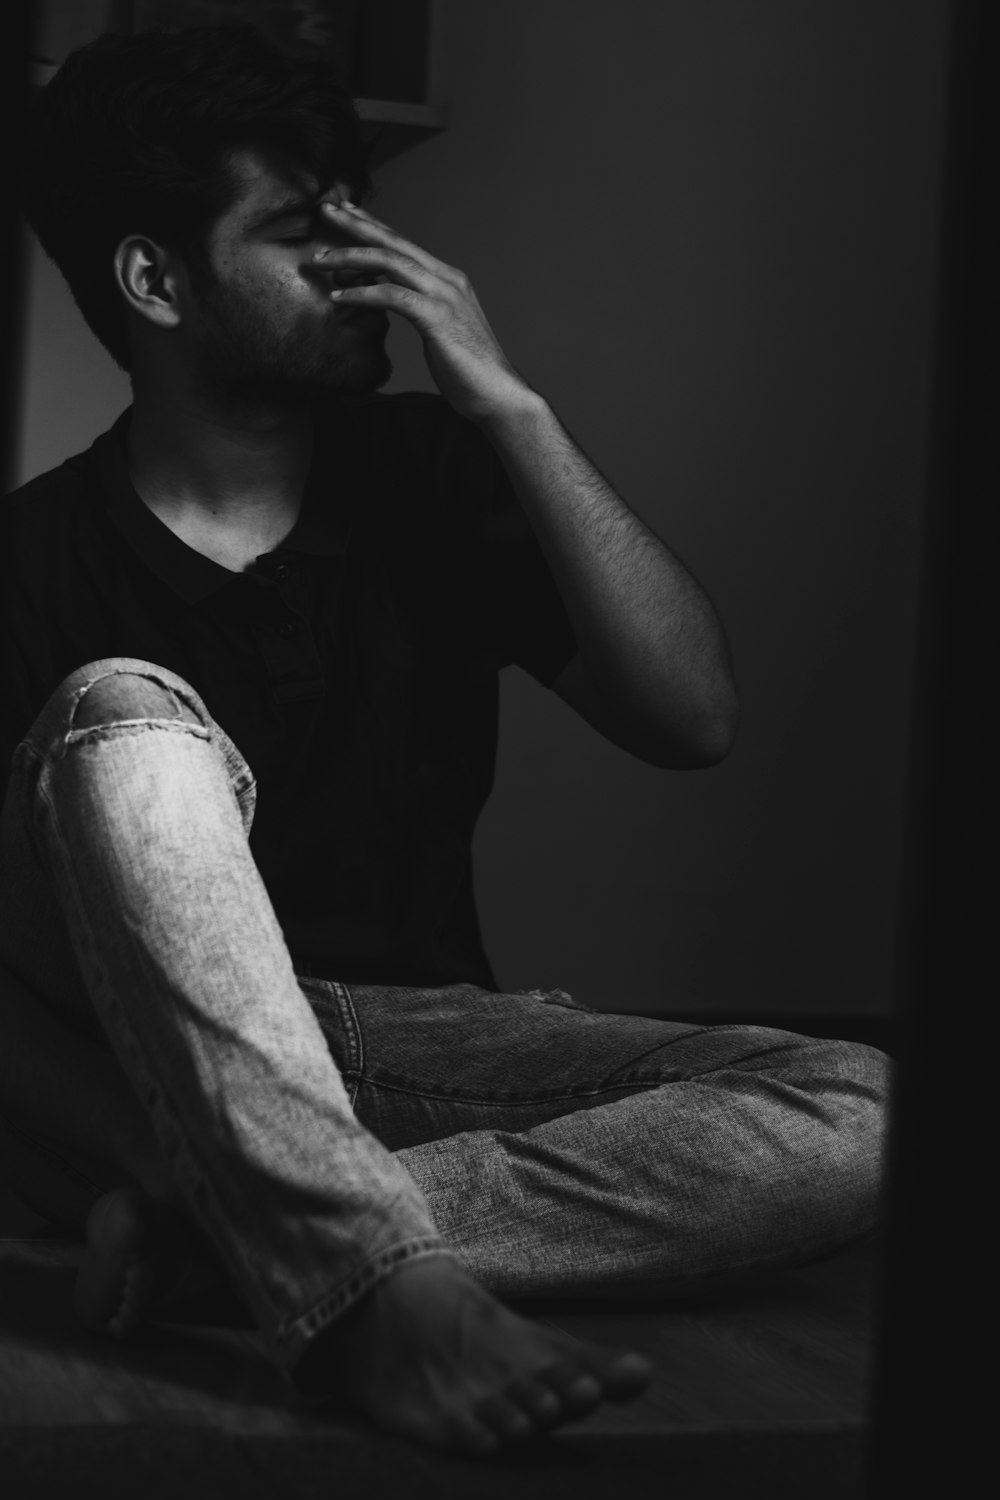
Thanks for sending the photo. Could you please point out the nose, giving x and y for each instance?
(329, 235)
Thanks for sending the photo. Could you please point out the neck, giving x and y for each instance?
(229, 486)
(231, 470)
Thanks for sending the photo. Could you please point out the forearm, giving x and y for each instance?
(652, 646)
(648, 634)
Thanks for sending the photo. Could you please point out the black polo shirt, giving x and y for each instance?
(355, 666)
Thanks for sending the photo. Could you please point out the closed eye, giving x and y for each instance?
(307, 224)
(316, 223)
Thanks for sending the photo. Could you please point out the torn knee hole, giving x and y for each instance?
(129, 696)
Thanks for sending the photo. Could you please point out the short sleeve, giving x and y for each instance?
(518, 608)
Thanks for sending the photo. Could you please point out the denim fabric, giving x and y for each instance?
(127, 886)
(565, 1151)
(323, 1131)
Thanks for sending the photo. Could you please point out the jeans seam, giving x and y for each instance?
(515, 1101)
(355, 1040)
(342, 1003)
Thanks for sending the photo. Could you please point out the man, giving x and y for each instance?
(252, 642)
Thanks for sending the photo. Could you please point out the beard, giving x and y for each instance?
(247, 357)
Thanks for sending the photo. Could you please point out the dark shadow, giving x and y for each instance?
(14, 82)
(932, 1287)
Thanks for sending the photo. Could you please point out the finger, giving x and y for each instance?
(353, 220)
(349, 217)
(357, 212)
(377, 258)
(386, 297)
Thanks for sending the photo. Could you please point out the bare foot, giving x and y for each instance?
(141, 1258)
(429, 1354)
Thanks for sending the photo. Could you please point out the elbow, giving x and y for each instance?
(720, 725)
(711, 752)
(720, 737)
(706, 742)
(691, 756)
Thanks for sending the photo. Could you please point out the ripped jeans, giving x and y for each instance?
(322, 1133)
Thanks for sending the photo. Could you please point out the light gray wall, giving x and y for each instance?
(705, 230)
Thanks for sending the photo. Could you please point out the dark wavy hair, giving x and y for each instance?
(133, 136)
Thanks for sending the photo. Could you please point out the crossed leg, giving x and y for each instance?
(128, 893)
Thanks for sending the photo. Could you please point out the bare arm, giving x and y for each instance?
(654, 672)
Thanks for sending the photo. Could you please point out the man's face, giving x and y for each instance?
(263, 326)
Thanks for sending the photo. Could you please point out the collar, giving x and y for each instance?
(322, 530)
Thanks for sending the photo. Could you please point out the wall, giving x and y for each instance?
(706, 232)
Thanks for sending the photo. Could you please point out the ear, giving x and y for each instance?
(148, 278)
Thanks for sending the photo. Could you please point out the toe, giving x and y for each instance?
(540, 1401)
(626, 1376)
(621, 1376)
(505, 1418)
(117, 1222)
(469, 1434)
(578, 1390)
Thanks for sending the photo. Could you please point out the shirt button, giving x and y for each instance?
(286, 628)
(282, 571)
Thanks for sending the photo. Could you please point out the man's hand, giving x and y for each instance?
(654, 673)
(469, 367)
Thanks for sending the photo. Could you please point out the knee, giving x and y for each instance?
(133, 692)
(861, 1075)
(856, 1069)
(852, 1085)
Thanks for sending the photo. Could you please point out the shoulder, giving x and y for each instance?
(51, 538)
(37, 510)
